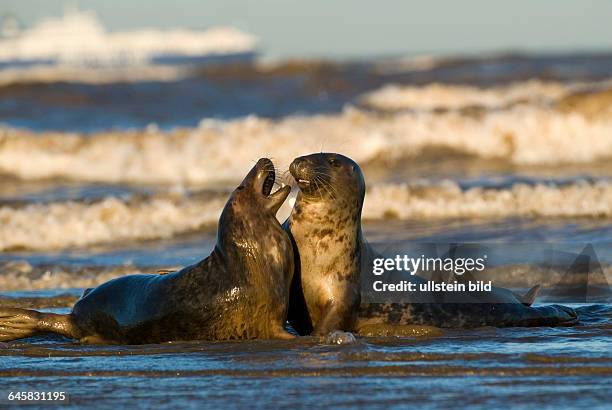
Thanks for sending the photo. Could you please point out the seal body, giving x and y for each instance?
(240, 291)
(331, 254)
(326, 232)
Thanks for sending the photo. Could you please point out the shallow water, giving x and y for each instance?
(483, 368)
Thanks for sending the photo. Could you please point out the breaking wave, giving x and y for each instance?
(78, 224)
(221, 151)
(448, 200)
(86, 75)
(434, 96)
(18, 275)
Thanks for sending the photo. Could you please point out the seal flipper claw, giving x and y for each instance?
(338, 337)
(22, 323)
(17, 324)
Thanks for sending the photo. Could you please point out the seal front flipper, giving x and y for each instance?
(335, 317)
(21, 323)
(329, 322)
(528, 298)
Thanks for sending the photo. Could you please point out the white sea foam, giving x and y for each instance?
(75, 224)
(447, 200)
(221, 151)
(20, 275)
(393, 97)
(78, 38)
(90, 75)
(423, 62)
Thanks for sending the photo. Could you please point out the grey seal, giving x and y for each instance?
(331, 254)
(240, 291)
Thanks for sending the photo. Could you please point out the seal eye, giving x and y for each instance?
(334, 162)
(240, 188)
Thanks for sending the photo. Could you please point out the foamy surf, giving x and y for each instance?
(79, 224)
(448, 200)
(71, 224)
(17, 275)
(222, 151)
(79, 38)
(88, 75)
(393, 97)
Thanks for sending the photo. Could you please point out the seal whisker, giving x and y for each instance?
(315, 180)
(325, 186)
(279, 172)
(285, 177)
(333, 190)
(322, 171)
(286, 174)
(332, 187)
(319, 173)
(318, 180)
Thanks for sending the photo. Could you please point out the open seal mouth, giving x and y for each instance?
(261, 179)
(268, 183)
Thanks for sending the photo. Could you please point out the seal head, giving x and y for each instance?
(331, 179)
(251, 208)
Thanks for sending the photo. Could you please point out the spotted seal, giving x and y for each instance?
(240, 291)
(331, 254)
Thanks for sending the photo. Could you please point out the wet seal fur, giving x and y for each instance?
(240, 291)
(331, 252)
